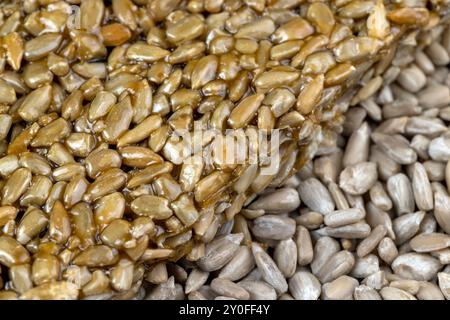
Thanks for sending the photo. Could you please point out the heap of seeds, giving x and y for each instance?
(367, 219)
(96, 192)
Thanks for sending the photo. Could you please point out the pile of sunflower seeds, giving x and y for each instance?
(367, 219)
(97, 198)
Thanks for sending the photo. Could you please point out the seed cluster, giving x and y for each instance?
(96, 193)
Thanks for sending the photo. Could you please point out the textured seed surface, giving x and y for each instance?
(98, 200)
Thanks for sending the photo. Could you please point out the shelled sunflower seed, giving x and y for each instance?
(98, 200)
(372, 212)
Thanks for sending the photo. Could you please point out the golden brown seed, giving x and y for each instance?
(259, 29)
(310, 94)
(244, 112)
(204, 71)
(58, 290)
(14, 47)
(228, 66)
(72, 106)
(36, 103)
(98, 284)
(141, 131)
(356, 49)
(145, 52)
(35, 162)
(321, 16)
(45, 268)
(68, 171)
(101, 105)
(210, 185)
(275, 78)
(285, 50)
(122, 275)
(167, 187)
(7, 213)
(290, 119)
(7, 93)
(377, 23)
(54, 132)
(159, 71)
(118, 120)
(97, 256)
(190, 173)
(83, 225)
(38, 192)
(88, 45)
(313, 44)
(109, 181)
(142, 101)
(152, 206)
(339, 74)
(109, 208)
(124, 11)
(59, 226)
(15, 186)
(149, 174)
(115, 34)
(116, 234)
(56, 193)
(139, 157)
(356, 9)
(91, 14)
(80, 144)
(186, 52)
(266, 119)
(41, 46)
(409, 16)
(12, 252)
(100, 160)
(37, 74)
(187, 28)
(20, 276)
(319, 62)
(295, 29)
(75, 190)
(90, 70)
(31, 224)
